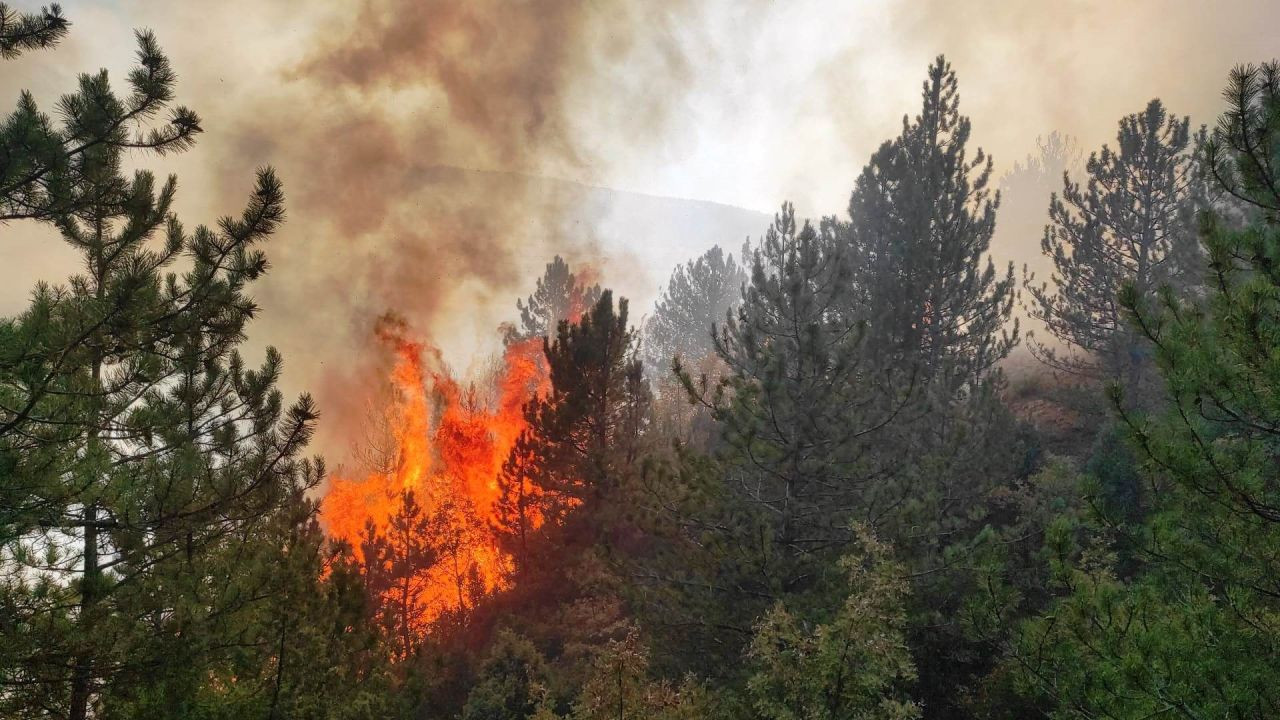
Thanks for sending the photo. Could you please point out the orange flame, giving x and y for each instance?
(450, 443)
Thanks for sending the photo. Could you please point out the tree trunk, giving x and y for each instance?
(82, 675)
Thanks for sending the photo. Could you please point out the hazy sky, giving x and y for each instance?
(743, 103)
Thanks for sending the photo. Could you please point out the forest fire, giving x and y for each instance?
(430, 501)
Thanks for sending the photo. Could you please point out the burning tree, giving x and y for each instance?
(560, 295)
(419, 524)
(397, 558)
(426, 520)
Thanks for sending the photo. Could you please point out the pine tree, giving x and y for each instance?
(396, 562)
(307, 649)
(54, 175)
(584, 436)
(142, 459)
(800, 412)
(698, 297)
(518, 510)
(48, 171)
(798, 403)
(921, 221)
(20, 32)
(568, 495)
(1042, 172)
(164, 450)
(801, 402)
(319, 655)
(559, 295)
(1130, 223)
(1194, 632)
(1025, 192)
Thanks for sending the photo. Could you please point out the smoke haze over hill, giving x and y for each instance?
(366, 109)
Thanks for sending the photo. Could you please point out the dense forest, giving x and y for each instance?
(830, 476)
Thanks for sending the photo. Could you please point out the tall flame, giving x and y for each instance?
(449, 443)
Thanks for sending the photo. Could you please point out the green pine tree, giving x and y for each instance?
(921, 221)
(147, 471)
(1130, 224)
(584, 437)
(560, 295)
(1194, 632)
(800, 415)
(698, 297)
(48, 171)
(20, 32)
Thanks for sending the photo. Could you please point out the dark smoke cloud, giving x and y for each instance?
(499, 69)
(410, 135)
(415, 137)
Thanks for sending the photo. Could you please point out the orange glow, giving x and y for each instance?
(449, 443)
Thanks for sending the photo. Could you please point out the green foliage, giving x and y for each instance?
(511, 683)
(306, 652)
(20, 32)
(1194, 634)
(560, 296)
(1013, 561)
(1158, 646)
(49, 172)
(619, 686)
(162, 451)
(159, 553)
(698, 297)
(855, 664)
(921, 221)
(1112, 464)
(1130, 224)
